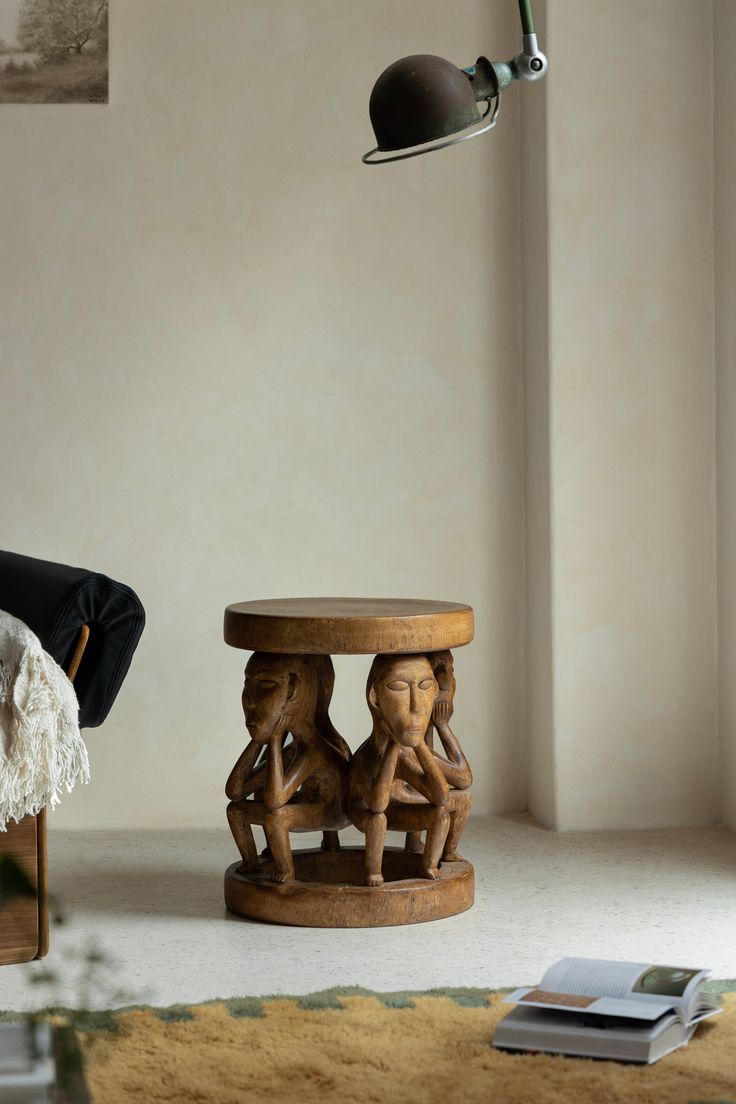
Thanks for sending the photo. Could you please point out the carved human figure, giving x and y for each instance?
(401, 691)
(325, 672)
(300, 786)
(454, 766)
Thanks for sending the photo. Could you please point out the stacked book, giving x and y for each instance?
(594, 1008)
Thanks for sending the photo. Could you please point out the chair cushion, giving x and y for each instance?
(55, 601)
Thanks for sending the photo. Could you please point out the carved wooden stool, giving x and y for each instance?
(297, 774)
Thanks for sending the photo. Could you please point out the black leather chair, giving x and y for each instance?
(91, 625)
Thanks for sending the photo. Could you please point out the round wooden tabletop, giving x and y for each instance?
(348, 626)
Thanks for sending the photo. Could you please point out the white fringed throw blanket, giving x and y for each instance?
(41, 747)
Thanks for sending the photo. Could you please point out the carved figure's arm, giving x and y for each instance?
(379, 797)
(455, 768)
(435, 786)
(409, 772)
(282, 783)
(243, 779)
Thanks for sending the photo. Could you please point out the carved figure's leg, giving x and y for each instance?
(294, 817)
(461, 802)
(437, 829)
(375, 836)
(330, 840)
(414, 844)
(276, 828)
(239, 821)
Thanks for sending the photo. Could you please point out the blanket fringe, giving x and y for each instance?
(44, 753)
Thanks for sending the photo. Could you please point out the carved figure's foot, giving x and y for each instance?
(281, 876)
(432, 873)
(249, 867)
(414, 846)
(374, 880)
(453, 856)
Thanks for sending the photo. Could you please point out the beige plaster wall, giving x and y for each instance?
(725, 286)
(236, 363)
(631, 554)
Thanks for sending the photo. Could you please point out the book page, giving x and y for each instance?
(675, 986)
(593, 977)
(590, 1006)
(678, 984)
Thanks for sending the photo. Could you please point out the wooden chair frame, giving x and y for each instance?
(39, 875)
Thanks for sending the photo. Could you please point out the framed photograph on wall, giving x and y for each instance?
(54, 51)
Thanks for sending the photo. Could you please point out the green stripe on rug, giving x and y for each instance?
(254, 1007)
(324, 999)
(349, 1045)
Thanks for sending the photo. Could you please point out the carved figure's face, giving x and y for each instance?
(403, 694)
(444, 672)
(269, 694)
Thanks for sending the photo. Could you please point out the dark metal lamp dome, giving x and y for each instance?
(423, 103)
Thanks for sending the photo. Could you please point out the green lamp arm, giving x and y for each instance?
(527, 20)
(489, 78)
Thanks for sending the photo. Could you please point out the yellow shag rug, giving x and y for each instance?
(357, 1047)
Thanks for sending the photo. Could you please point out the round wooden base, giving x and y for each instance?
(328, 891)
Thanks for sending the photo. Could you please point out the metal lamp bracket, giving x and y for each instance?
(531, 64)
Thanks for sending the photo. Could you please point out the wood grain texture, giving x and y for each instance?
(43, 885)
(328, 892)
(78, 652)
(19, 924)
(348, 626)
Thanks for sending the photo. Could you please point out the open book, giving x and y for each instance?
(592, 1008)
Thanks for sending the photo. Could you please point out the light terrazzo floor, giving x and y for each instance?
(154, 901)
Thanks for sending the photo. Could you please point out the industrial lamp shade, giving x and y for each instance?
(424, 103)
(421, 98)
